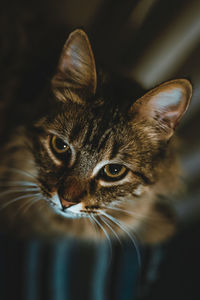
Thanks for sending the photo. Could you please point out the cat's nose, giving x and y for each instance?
(71, 192)
(66, 204)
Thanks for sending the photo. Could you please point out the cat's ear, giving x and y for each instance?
(164, 106)
(76, 68)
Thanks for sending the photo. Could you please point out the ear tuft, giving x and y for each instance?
(164, 105)
(76, 68)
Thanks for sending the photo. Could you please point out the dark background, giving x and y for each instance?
(149, 40)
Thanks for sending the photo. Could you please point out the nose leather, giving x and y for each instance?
(66, 204)
(71, 192)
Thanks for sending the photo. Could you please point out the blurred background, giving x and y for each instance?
(149, 40)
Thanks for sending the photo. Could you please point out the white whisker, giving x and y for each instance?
(22, 172)
(123, 227)
(17, 183)
(17, 199)
(28, 203)
(7, 192)
(134, 214)
(93, 222)
(120, 209)
(104, 230)
(110, 227)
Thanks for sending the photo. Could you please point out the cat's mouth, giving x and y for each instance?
(80, 210)
(73, 211)
(67, 213)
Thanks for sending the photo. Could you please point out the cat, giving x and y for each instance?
(94, 164)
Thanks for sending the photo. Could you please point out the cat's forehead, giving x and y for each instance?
(97, 132)
(90, 124)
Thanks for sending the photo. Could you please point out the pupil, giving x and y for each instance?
(60, 144)
(114, 169)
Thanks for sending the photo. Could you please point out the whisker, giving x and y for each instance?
(22, 172)
(17, 183)
(120, 209)
(123, 227)
(130, 213)
(93, 222)
(148, 219)
(28, 204)
(110, 227)
(19, 191)
(104, 230)
(17, 199)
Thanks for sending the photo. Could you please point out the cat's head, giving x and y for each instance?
(98, 163)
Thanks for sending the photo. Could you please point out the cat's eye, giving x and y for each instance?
(58, 145)
(113, 172)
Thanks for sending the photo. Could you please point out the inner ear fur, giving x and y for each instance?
(76, 69)
(164, 105)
